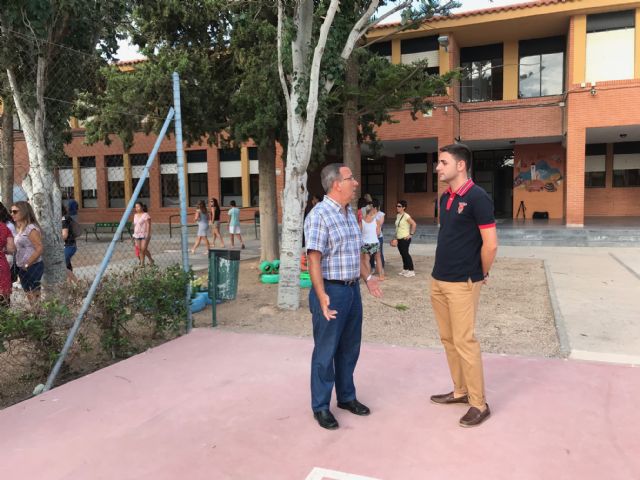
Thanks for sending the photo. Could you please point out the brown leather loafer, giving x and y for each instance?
(474, 417)
(448, 398)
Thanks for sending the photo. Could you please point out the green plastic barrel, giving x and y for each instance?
(224, 267)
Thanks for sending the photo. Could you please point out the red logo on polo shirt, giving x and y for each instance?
(461, 206)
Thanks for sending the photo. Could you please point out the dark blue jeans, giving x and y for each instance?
(336, 345)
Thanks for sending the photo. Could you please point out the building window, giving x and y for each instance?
(253, 153)
(626, 164)
(197, 156)
(167, 158)
(382, 49)
(113, 160)
(231, 189)
(229, 154)
(595, 172)
(610, 46)
(415, 172)
(116, 194)
(434, 174)
(541, 67)
(254, 184)
(138, 159)
(422, 48)
(169, 189)
(145, 195)
(88, 181)
(138, 162)
(198, 189)
(481, 73)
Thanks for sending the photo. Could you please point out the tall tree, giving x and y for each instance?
(48, 52)
(6, 160)
(258, 110)
(313, 28)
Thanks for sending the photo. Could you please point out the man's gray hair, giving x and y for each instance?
(330, 174)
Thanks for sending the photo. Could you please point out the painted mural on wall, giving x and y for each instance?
(538, 174)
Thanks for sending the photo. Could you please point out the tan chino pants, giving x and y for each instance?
(455, 305)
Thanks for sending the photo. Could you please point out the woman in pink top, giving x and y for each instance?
(142, 231)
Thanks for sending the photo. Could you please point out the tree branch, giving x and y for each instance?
(283, 80)
(317, 59)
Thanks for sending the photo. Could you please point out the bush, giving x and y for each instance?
(153, 296)
(40, 331)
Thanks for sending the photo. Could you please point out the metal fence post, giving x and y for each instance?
(183, 193)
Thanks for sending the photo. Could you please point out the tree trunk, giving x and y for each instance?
(39, 183)
(295, 197)
(269, 243)
(6, 183)
(350, 146)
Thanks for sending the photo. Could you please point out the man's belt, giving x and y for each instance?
(346, 283)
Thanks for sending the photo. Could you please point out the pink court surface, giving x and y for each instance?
(222, 405)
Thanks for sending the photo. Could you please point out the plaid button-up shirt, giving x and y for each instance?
(336, 235)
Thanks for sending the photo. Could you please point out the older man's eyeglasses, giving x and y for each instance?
(351, 178)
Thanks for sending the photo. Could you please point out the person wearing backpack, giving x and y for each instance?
(69, 237)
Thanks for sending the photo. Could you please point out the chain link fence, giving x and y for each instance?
(141, 300)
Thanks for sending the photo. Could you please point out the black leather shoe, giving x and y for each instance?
(474, 417)
(326, 419)
(355, 407)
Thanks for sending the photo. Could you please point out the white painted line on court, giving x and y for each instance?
(325, 474)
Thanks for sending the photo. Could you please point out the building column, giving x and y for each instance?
(155, 185)
(102, 182)
(128, 180)
(396, 51)
(213, 173)
(574, 209)
(578, 46)
(608, 167)
(636, 69)
(511, 66)
(77, 180)
(246, 176)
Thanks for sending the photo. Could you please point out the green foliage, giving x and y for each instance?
(161, 296)
(41, 330)
(156, 297)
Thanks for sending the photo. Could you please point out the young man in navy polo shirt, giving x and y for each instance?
(467, 246)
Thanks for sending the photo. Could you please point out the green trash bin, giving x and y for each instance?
(224, 266)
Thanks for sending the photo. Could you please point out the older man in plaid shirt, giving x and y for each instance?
(336, 267)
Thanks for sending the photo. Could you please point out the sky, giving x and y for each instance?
(129, 52)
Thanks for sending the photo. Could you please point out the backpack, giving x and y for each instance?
(76, 229)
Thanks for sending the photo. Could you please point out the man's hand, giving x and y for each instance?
(324, 305)
(374, 287)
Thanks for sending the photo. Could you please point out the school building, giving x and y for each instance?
(548, 99)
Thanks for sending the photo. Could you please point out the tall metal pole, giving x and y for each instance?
(183, 193)
(107, 257)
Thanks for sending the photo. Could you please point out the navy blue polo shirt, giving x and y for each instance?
(462, 215)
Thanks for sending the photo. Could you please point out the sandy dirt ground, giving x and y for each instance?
(515, 314)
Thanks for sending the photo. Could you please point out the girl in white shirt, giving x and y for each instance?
(370, 232)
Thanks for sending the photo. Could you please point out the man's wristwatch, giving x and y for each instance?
(368, 278)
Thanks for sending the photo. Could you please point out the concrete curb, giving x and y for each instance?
(561, 329)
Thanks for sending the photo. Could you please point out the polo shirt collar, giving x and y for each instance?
(461, 192)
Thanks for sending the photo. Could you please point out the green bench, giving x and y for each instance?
(106, 227)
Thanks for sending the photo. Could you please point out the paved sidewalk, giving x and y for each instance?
(596, 295)
(221, 405)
